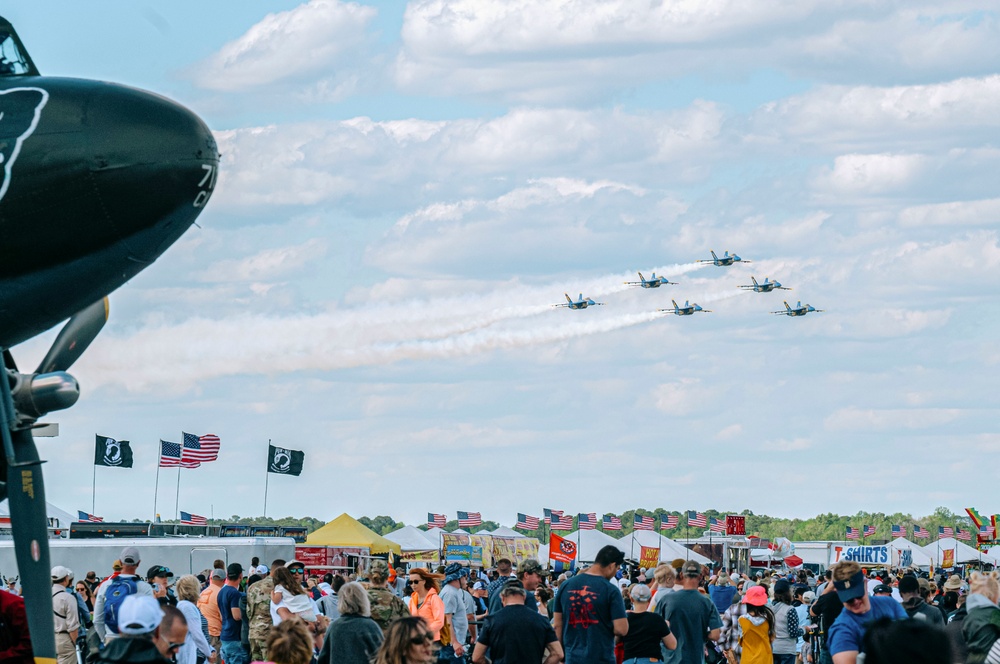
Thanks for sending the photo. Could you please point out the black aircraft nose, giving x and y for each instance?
(154, 164)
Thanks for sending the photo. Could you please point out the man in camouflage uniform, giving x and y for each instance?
(386, 607)
(259, 613)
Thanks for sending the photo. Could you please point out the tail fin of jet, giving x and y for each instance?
(755, 281)
(713, 255)
(788, 308)
(642, 278)
(675, 304)
(568, 298)
(798, 305)
(581, 298)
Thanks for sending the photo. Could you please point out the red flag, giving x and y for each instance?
(561, 549)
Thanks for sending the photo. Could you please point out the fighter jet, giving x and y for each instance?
(686, 310)
(798, 310)
(653, 282)
(582, 303)
(726, 260)
(765, 287)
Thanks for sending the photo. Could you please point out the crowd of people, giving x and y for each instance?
(609, 612)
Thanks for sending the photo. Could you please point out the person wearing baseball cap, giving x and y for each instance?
(123, 584)
(845, 636)
(67, 617)
(158, 576)
(646, 629)
(693, 618)
(530, 573)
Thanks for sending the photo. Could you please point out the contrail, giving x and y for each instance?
(181, 355)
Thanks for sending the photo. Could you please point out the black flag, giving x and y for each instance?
(283, 461)
(111, 452)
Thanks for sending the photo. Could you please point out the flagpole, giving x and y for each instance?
(659, 534)
(177, 497)
(267, 475)
(156, 485)
(632, 545)
(93, 493)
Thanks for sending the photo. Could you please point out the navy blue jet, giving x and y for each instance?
(581, 303)
(798, 310)
(764, 287)
(686, 310)
(653, 282)
(726, 259)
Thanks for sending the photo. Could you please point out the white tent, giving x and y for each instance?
(503, 531)
(57, 517)
(459, 531)
(433, 536)
(669, 549)
(963, 552)
(917, 554)
(410, 538)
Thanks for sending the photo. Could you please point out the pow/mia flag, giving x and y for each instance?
(283, 461)
(111, 452)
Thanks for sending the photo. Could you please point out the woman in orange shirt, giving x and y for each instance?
(425, 602)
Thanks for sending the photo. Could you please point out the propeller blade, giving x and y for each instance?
(74, 338)
(25, 492)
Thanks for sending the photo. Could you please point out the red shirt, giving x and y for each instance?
(15, 642)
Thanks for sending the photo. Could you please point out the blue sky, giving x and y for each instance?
(406, 188)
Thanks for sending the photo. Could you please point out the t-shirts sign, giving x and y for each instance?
(863, 555)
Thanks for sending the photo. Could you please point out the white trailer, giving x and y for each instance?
(183, 555)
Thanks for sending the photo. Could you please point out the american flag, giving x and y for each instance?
(189, 519)
(170, 456)
(868, 531)
(963, 535)
(200, 448)
(921, 532)
(561, 521)
(469, 519)
(986, 532)
(436, 520)
(697, 520)
(897, 531)
(716, 526)
(88, 518)
(946, 531)
(612, 522)
(853, 533)
(587, 521)
(525, 522)
(643, 523)
(669, 522)
(549, 514)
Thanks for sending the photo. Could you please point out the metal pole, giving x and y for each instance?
(177, 498)
(156, 485)
(93, 493)
(267, 475)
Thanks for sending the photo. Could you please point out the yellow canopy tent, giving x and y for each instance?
(346, 531)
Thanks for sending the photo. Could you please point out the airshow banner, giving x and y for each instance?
(947, 558)
(469, 554)
(561, 549)
(649, 557)
(864, 555)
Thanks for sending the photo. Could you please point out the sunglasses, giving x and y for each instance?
(421, 639)
(297, 571)
(415, 581)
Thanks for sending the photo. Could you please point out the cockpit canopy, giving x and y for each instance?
(14, 59)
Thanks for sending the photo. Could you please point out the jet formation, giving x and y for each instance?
(689, 308)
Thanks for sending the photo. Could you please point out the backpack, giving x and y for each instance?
(117, 591)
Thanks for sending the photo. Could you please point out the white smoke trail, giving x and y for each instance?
(183, 354)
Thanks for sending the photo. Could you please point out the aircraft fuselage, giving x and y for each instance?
(98, 180)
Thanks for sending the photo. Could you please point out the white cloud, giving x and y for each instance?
(266, 264)
(955, 213)
(785, 445)
(684, 397)
(889, 419)
(729, 432)
(309, 39)
(870, 173)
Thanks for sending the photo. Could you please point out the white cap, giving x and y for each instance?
(261, 569)
(139, 614)
(60, 572)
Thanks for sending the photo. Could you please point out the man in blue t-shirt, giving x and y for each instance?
(845, 636)
(232, 617)
(590, 611)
